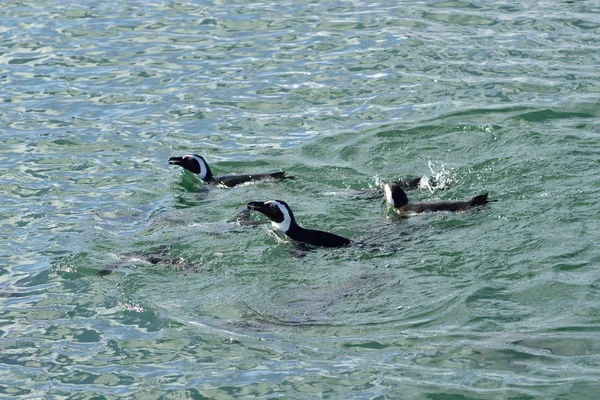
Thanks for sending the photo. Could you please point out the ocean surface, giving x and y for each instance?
(498, 97)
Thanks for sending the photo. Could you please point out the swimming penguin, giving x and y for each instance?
(395, 196)
(197, 165)
(420, 182)
(159, 257)
(282, 218)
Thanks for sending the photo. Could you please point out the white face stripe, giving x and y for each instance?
(388, 195)
(201, 162)
(284, 225)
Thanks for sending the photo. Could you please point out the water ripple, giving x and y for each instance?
(498, 98)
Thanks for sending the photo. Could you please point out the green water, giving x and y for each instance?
(498, 97)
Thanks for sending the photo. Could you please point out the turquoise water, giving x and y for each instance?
(498, 97)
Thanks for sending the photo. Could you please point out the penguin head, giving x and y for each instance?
(193, 163)
(394, 195)
(277, 211)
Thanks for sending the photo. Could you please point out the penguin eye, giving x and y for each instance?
(273, 206)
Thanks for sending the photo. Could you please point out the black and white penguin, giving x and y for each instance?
(282, 218)
(396, 197)
(197, 165)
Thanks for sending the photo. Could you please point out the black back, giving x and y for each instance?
(316, 237)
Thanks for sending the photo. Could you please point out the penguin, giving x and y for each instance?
(197, 165)
(420, 182)
(395, 196)
(282, 218)
(159, 257)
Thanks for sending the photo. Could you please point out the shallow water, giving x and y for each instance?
(497, 97)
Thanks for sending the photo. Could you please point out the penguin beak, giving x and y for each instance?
(263, 208)
(257, 206)
(176, 161)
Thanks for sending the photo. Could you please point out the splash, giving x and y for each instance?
(274, 235)
(131, 307)
(425, 183)
(441, 177)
